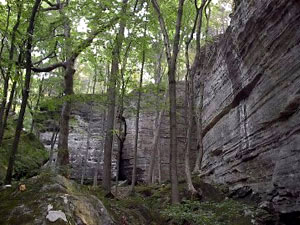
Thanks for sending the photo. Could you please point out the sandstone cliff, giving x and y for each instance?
(251, 104)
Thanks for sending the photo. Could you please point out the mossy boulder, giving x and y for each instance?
(51, 199)
(30, 157)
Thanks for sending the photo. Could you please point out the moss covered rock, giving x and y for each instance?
(51, 199)
(30, 157)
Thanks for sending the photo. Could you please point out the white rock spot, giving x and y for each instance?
(50, 207)
(55, 215)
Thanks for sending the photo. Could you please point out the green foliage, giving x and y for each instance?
(208, 213)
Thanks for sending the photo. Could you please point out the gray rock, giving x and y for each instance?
(251, 104)
(56, 215)
(65, 205)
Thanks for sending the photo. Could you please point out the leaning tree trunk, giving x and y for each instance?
(189, 121)
(7, 110)
(30, 31)
(4, 77)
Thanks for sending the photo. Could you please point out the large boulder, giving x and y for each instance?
(50, 199)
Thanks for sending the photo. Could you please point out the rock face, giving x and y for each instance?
(146, 130)
(86, 120)
(251, 105)
(87, 117)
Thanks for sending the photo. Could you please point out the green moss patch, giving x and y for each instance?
(30, 157)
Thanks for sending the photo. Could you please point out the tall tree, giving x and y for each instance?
(63, 151)
(122, 131)
(111, 92)
(137, 118)
(196, 69)
(30, 31)
(85, 159)
(172, 63)
(71, 53)
(7, 77)
(189, 90)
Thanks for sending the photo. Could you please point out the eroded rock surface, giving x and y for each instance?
(146, 135)
(251, 105)
(86, 120)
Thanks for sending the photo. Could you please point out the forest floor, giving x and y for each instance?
(150, 205)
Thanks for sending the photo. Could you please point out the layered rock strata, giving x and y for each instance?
(251, 104)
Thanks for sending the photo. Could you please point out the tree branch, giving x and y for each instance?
(49, 3)
(51, 55)
(88, 41)
(163, 30)
(49, 68)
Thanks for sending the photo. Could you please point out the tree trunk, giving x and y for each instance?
(157, 123)
(53, 141)
(97, 167)
(154, 146)
(8, 74)
(8, 107)
(172, 61)
(63, 148)
(106, 182)
(122, 121)
(173, 136)
(37, 104)
(189, 121)
(137, 119)
(201, 89)
(159, 166)
(19, 127)
(94, 82)
(87, 151)
(2, 107)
